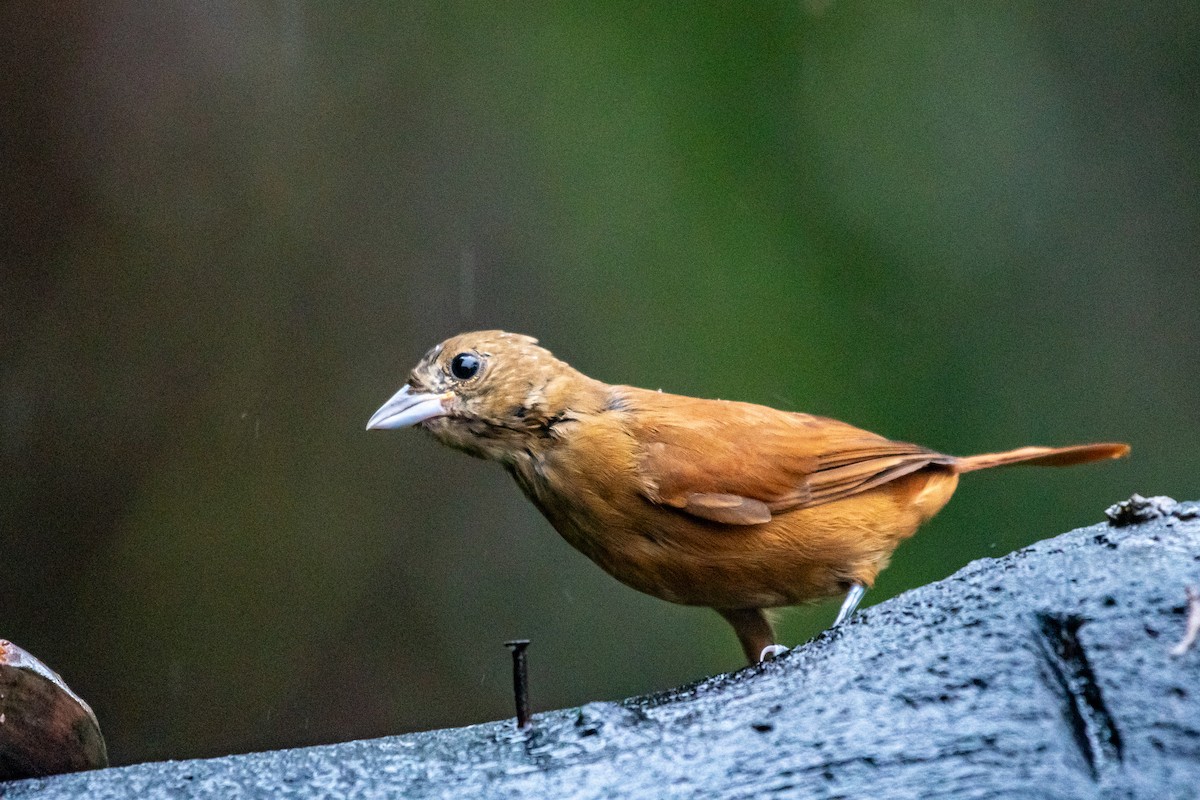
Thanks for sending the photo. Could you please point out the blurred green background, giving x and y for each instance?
(229, 229)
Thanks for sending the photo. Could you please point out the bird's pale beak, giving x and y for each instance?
(408, 408)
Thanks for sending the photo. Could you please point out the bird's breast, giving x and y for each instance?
(588, 488)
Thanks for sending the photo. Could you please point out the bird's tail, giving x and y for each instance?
(1043, 456)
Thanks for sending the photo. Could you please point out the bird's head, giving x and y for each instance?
(484, 392)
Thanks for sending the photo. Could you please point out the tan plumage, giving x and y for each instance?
(733, 506)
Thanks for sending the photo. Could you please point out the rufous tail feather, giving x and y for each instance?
(1043, 456)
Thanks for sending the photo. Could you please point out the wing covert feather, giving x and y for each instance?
(739, 463)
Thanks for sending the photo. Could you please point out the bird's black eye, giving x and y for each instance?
(465, 366)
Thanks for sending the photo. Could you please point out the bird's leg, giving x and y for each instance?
(754, 631)
(853, 598)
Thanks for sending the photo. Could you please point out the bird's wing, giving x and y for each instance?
(739, 463)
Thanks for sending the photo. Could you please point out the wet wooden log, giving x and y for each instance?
(1063, 670)
(45, 728)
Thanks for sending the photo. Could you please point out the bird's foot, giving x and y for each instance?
(771, 651)
(853, 598)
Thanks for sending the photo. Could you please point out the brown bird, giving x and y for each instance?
(733, 506)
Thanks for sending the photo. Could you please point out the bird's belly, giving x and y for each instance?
(799, 556)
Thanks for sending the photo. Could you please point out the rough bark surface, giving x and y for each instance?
(1046, 673)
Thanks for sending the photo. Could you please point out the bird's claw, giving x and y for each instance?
(771, 651)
